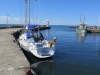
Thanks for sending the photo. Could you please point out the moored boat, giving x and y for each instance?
(81, 30)
(33, 41)
(82, 27)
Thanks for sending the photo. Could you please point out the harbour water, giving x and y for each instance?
(76, 54)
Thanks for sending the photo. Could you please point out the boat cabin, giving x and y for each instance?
(35, 36)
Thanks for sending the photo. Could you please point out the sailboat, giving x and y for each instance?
(82, 27)
(33, 41)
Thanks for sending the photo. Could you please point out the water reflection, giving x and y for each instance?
(94, 35)
(90, 38)
(47, 34)
(81, 37)
(40, 66)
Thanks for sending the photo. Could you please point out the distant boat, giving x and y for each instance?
(33, 41)
(82, 27)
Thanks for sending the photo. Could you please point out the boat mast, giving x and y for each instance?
(29, 11)
(80, 18)
(25, 12)
(84, 20)
(99, 22)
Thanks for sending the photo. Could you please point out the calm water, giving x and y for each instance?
(76, 54)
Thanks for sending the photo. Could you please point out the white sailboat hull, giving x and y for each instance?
(33, 41)
(40, 52)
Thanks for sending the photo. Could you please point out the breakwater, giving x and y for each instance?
(41, 27)
(12, 58)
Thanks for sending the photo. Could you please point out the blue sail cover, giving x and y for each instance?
(29, 33)
(32, 26)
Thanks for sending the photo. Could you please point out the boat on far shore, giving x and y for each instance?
(82, 27)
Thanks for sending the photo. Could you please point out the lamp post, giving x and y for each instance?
(7, 19)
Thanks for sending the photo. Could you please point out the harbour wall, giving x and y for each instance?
(12, 59)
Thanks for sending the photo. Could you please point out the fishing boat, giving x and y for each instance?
(82, 27)
(33, 41)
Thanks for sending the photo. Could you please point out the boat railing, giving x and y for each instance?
(38, 45)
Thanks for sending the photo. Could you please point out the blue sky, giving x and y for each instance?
(58, 12)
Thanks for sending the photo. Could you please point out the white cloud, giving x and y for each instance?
(3, 20)
(16, 19)
(3, 17)
(58, 22)
(53, 22)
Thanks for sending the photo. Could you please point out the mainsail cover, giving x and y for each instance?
(31, 26)
(29, 33)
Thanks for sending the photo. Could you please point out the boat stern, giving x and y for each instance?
(44, 52)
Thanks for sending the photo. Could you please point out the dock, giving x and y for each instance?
(93, 30)
(12, 59)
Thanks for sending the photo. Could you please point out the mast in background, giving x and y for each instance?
(84, 20)
(98, 23)
(80, 19)
(7, 19)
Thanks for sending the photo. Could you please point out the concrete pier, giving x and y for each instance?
(93, 30)
(41, 27)
(12, 59)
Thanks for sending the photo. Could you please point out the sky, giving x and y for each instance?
(58, 12)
